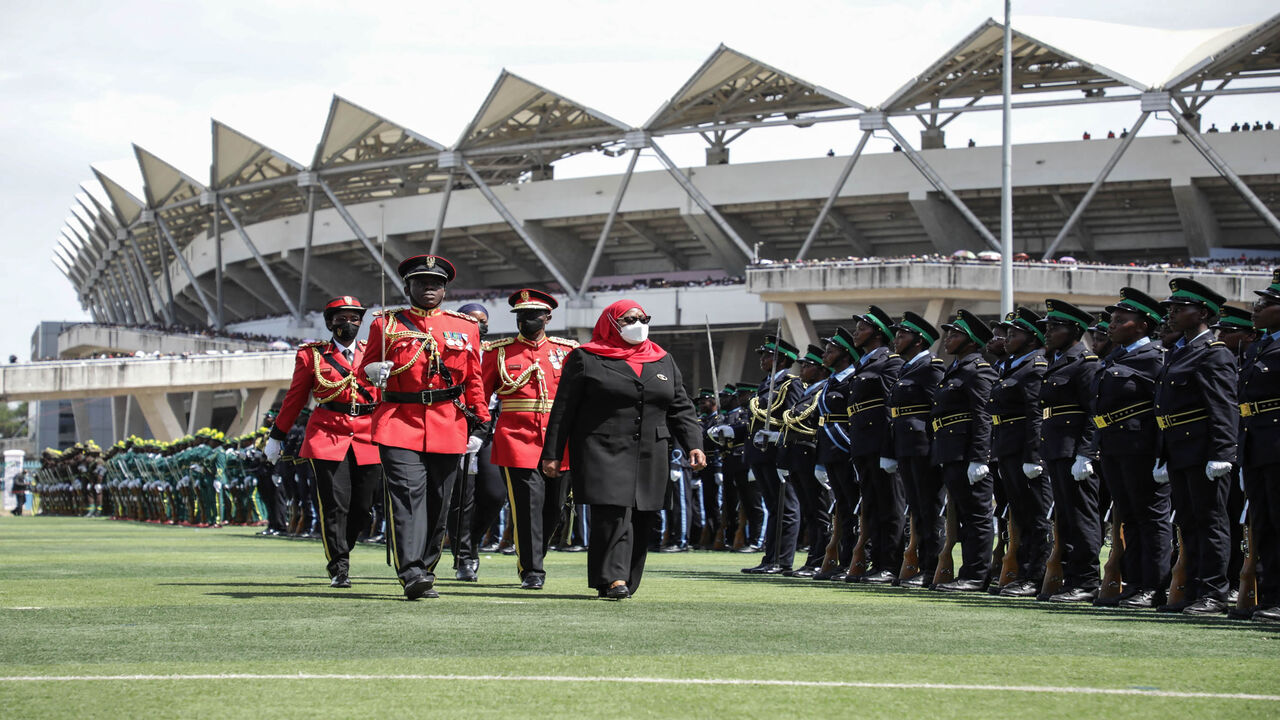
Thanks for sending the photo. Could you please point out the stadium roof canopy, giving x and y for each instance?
(731, 87)
(364, 156)
(248, 173)
(1247, 52)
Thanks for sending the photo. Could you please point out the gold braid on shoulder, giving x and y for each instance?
(427, 345)
(780, 396)
(794, 421)
(336, 386)
(510, 385)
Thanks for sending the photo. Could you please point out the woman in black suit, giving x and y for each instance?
(619, 406)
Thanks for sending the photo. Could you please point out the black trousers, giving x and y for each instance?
(1201, 507)
(974, 506)
(815, 503)
(1143, 506)
(922, 484)
(1262, 485)
(272, 499)
(344, 495)
(885, 505)
(535, 514)
(782, 530)
(1075, 507)
(844, 486)
(740, 492)
(619, 545)
(1028, 500)
(418, 488)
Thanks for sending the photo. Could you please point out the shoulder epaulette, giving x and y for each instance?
(494, 344)
(893, 355)
(563, 341)
(983, 363)
(1040, 363)
(316, 344)
(389, 311)
(937, 361)
(1090, 357)
(1217, 343)
(464, 316)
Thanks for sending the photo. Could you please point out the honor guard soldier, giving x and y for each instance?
(910, 403)
(339, 432)
(1015, 445)
(1124, 440)
(777, 393)
(741, 507)
(430, 370)
(710, 478)
(1197, 414)
(525, 371)
(841, 356)
(1098, 337)
(797, 453)
(884, 506)
(1065, 434)
(962, 446)
(1235, 330)
(1259, 397)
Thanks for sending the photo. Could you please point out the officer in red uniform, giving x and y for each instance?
(430, 369)
(525, 371)
(337, 434)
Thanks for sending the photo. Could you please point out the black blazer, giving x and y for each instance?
(1127, 378)
(870, 385)
(1260, 382)
(1066, 394)
(912, 396)
(619, 428)
(1199, 377)
(960, 407)
(1015, 400)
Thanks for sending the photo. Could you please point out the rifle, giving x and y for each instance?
(1053, 577)
(911, 556)
(740, 537)
(946, 571)
(1248, 598)
(1178, 578)
(1112, 572)
(831, 558)
(1009, 564)
(860, 563)
(998, 554)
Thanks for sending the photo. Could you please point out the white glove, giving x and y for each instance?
(889, 465)
(820, 474)
(474, 443)
(1160, 473)
(378, 373)
(677, 476)
(1216, 468)
(720, 432)
(1082, 468)
(273, 449)
(784, 474)
(751, 476)
(766, 436)
(1032, 470)
(977, 471)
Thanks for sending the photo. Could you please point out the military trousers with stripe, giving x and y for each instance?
(418, 488)
(344, 497)
(536, 503)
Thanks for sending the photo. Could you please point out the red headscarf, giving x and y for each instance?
(607, 342)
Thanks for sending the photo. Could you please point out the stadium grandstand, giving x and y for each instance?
(260, 244)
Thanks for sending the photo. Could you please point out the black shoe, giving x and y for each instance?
(1236, 613)
(531, 582)
(1100, 601)
(419, 588)
(1233, 597)
(915, 582)
(1141, 600)
(1074, 595)
(840, 576)
(1020, 588)
(673, 548)
(1205, 606)
(572, 548)
(467, 570)
(748, 549)
(378, 539)
(490, 548)
(1175, 607)
(804, 572)
(961, 585)
(1266, 615)
(771, 569)
(508, 550)
(883, 577)
(340, 581)
(853, 577)
(828, 574)
(617, 592)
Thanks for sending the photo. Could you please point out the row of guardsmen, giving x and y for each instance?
(1023, 444)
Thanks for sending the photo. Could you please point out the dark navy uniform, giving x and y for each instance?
(1259, 397)
(883, 501)
(774, 396)
(833, 449)
(910, 403)
(740, 493)
(798, 454)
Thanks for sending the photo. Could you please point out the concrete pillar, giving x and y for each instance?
(732, 355)
(134, 422)
(119, 417)
(933, 139)
(1199, 223)
(80, 411)
(944, 225)
(161, 418)
(201, 411)
(799, 325)
(938, 311)
(253, 405)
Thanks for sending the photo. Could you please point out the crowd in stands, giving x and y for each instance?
(1237, 264)
(198, 332)
(495, 297)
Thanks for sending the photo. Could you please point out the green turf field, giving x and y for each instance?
(91, 598)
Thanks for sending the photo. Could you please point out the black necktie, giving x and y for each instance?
(348, 355)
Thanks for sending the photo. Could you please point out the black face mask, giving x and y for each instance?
(345, 332)
(484, 329)
(530, 327)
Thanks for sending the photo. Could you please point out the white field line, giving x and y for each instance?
(1044, 689)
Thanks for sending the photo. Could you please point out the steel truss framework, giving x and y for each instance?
(122, 256)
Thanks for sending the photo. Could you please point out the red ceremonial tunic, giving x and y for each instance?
(525, 375)
(320, 371)
(419, 342)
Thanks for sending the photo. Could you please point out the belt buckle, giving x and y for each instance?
(937, 424)
(822, 421)
(995, 420)
(1100, 421)
(1047, 413)
(1162, 422)
(1246, 409)
(893, 412)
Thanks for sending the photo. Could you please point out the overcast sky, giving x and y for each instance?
(81, 81)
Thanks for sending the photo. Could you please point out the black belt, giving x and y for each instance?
(354, 410)
(945, 420)
(1106, 420)
(1249, 409)
(425, 397)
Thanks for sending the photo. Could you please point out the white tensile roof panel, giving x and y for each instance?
(517, 110)
(1234, 51)
(127, 207)
(354, 134)
(239, 159)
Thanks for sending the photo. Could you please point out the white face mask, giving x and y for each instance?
(635, 333)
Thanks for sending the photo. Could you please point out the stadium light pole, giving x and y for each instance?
(1006, 171)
